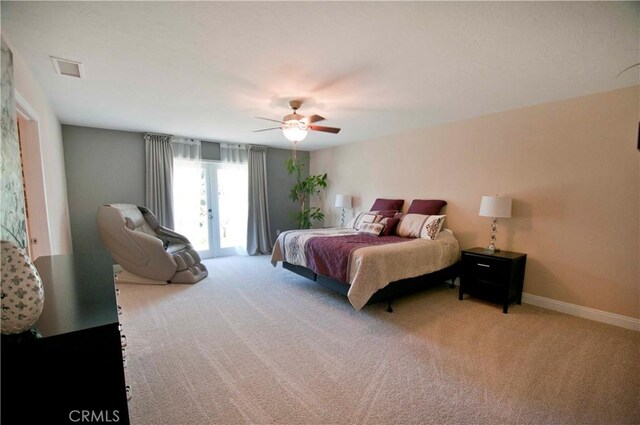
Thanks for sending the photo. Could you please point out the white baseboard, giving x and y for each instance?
(584, 312)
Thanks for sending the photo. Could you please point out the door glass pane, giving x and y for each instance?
(233, 205)
(190, 203)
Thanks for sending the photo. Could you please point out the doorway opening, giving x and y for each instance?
(211, 205)
(39, 242)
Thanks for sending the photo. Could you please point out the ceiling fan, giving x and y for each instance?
(295, 126)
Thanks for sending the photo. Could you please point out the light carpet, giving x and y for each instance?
(261, 345)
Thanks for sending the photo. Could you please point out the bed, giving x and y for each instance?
(369, 267)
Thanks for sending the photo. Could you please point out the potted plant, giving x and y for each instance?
(302, 192)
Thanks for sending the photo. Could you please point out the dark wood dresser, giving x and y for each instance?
(71, 369)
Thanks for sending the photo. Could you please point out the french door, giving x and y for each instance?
(210, 206)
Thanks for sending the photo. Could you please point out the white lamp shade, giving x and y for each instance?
(495, 206)
(343, 201)
(294, 131)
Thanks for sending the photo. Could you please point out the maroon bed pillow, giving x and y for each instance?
(387, 204)
(426, 206)
(390, 226)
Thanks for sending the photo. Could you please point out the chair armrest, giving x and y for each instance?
(158, 264)
(172, 236)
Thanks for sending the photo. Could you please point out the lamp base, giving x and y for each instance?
(492, 245)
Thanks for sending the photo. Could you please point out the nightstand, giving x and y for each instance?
(497, 276)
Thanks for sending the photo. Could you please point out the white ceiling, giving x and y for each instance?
(206, 69)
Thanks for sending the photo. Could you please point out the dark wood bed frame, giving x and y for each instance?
(391, 291)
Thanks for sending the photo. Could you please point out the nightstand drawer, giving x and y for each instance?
(486, 268)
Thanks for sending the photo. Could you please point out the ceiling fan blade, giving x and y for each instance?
(627, 68)
(327, 129)
(266, 129)
(269, 119)
(313, 118)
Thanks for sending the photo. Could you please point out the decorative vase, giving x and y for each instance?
(22, 293)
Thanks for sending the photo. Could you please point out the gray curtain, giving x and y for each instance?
(258, 233)
(159, 177)
(233, 153)
(186, 149)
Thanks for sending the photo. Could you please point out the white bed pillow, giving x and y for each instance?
(410, 225)
(363, 217)
(373, 229)
(420, 226)
(431, 227)
(351, 223)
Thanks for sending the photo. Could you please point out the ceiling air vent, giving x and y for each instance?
(68, 67)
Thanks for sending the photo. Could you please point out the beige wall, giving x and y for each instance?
(572, 168)
(52, 153)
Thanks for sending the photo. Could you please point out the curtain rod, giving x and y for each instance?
(246, 145)
(207, 141)
(158, 134)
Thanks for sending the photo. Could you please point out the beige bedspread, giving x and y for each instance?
(374, 267)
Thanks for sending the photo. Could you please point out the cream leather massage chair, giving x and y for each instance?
(147, 252)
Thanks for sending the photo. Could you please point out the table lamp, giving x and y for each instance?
(343, 201)
(495, 207)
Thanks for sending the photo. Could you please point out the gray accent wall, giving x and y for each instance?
(279, 184)
(108, 166)
(103, 167)
(210, 151)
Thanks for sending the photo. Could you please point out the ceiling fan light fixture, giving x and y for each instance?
(295, 131)
(295, 126)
